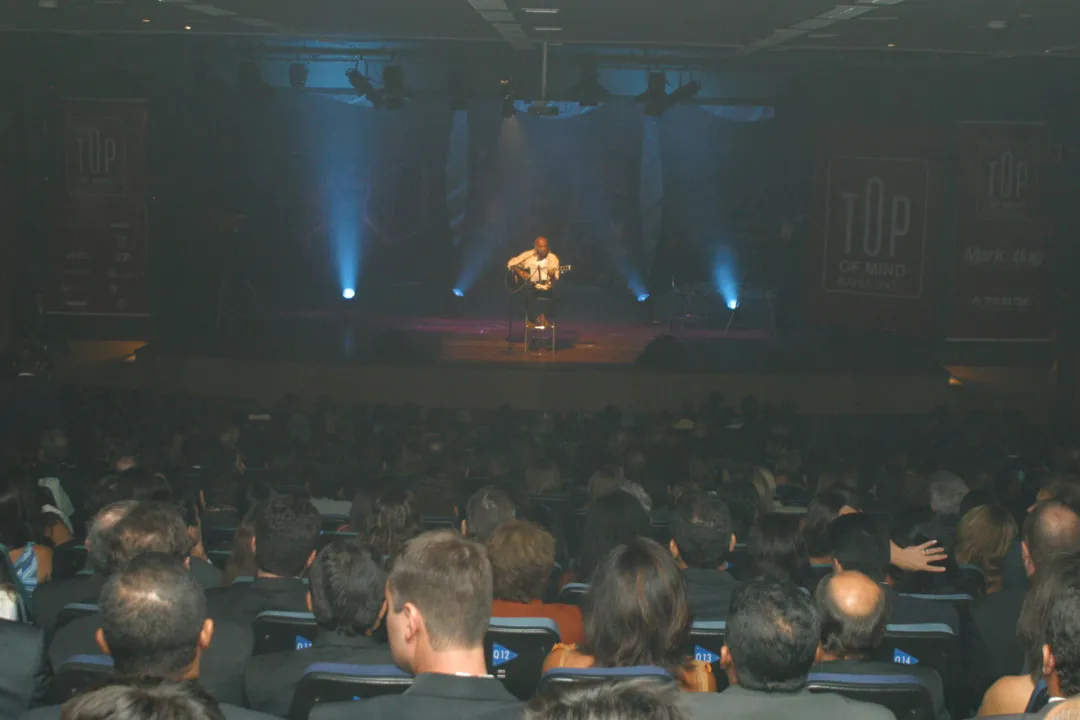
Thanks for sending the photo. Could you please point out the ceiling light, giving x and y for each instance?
(187, 27)
(892, 44)
(146, 20)
(996, 25)
(540, 11)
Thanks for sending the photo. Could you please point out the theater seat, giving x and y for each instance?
(737, 564)
(515, 650)
(278, 631)
(573, 594)
(562, 676)
(219, 558)
(961, 601)
(336, 682)
(706, 639)
(327, 537)
(77, 673)
(904, 695)
(330, 523)
(931, 645)
(74, 611)
(441, 523)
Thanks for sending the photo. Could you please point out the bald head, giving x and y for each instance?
(854, 611)
(541, 247)
(1052, 528)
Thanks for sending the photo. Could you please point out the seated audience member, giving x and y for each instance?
(701, 541)
(542, 478)
(394, 521)
(909, 527)
(220, 499)
(24, 676)
(771, 643)
(776, 550)
(822, 510)
(286, 529)
(153, 623)
(616, 518)
(156, 528)
(1057, 579)
(438, 597)
(604, 481)
(148, 700)
(861, 542)
(636, 699)
(522, 559)
(204, 571)
(346, 597)
(32, 562)
(1061, 638)
(51, 597)
(486, 509)
(983, 538)
(854, 611)
(53, 474)
(241, 561)
(947, 492)
(637, 613)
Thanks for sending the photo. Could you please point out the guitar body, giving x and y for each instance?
(515, 282)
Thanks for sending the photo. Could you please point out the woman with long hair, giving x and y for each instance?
(776, 550)
(614, 519)
(637, 613)
(395, 520)
(983, 538)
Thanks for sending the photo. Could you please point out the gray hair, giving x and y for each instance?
(97, 535)
(947, 492)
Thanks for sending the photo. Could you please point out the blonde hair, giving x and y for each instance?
(983, 538)
(765, 484)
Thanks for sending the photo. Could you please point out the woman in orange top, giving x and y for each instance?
(637, 613)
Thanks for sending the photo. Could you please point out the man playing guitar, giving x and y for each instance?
(540, 268)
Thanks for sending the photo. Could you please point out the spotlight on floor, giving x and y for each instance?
(642, 297)
(459, 292)
(348, 293)
(733, 303)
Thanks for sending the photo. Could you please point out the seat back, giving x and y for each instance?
(441, 523)
(218, 538)
(337, 682)
(278, 631)
(961, 601)
(76, 674)
(219, 558)
(74, 611)
(661, 533)
(563, 676)
(573, 594)
(904, 695)
(328, 537)
(737, 563)
(706, 639)
(515, 650)
(931, 645)
(330, 523)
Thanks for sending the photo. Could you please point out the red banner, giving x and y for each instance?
(1001, 279)
(878, 200)
(97, 217)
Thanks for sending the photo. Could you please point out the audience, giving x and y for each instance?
(983, 537)
(776, 550)
(438, 600)
(614, 519)
(286, 529)
(522, 559)
(637, 613)
(702, 540)
(770, 646)
(488, 508)
(394, 521)
(346, 589)
(638, 699)
(854, 612)
(25, 674)
(820, 512)
(146, 700)
(31, 561)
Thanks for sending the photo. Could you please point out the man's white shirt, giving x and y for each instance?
(541, 272)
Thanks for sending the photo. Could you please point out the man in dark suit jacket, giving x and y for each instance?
(701, 542)
(861, 543)
(24, 667)
(51, 597)
(154, 625)
(286, 530)
(346, 596)
(438, 598)
(854, 611)
(770, 646)
(158, 527)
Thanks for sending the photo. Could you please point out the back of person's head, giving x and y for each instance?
(1052, 527)
(99, 533)
(439, 595)
(765, 485)
(347, 588)
(1062, 597)
(822, 510)
(860, 542)
(983, 538)
(542, 478)
(486, 509)
(636, 699)
(854, 611)
(604, 481)
(395, 519)
(155, 527)
(286, 530)
(54, 446)
(614, 519)
(144, 699)
(522, 558)
(776, 550)
(222, 490)
(947, 491)
(637, 611)
(772, 636)
(702, 531)
(153, 618)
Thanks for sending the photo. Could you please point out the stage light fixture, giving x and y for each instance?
(459, 292)
(348, 293)
(642, 297)
(298, 74)
(364, 86)
(733, 304)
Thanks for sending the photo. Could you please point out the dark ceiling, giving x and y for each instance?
(724, 27)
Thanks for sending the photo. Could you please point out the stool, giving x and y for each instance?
(530, 331)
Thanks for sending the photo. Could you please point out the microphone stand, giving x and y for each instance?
(510, 312)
